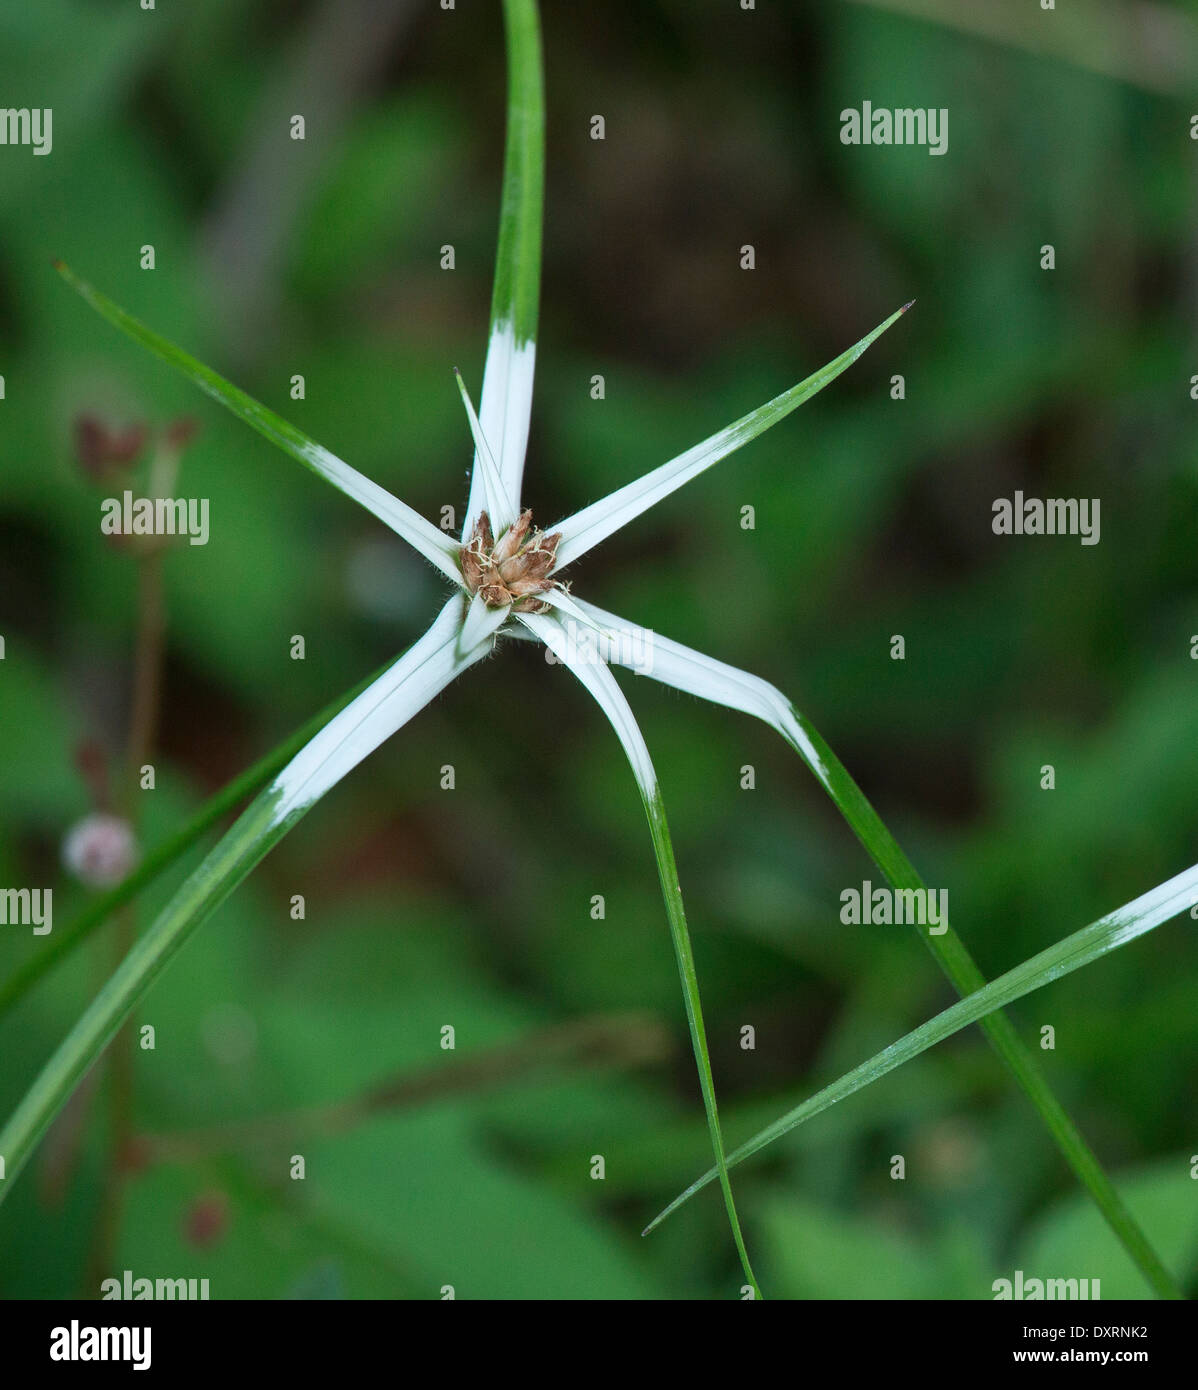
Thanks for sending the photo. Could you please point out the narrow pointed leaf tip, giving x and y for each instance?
(436, 547)
(595, 523)
(1107, 934)
(597, 678)
(500, 504)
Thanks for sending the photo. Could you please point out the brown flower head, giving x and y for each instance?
(512, 570)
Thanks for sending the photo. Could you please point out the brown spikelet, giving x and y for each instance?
(514, 570)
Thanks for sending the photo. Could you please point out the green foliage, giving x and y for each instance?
(872, 518)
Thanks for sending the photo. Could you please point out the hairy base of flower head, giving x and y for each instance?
(514, 569)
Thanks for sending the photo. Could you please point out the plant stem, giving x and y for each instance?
(148, 661)
(671, 891)
(625, 1041)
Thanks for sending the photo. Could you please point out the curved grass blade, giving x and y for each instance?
(436, 547)
(163, 856)
(399, 693)
(595, 523)
(697, 674)
(601, 684)
(506, 403)
(1089, 944)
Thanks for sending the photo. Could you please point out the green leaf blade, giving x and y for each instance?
(505, 406)
(516, 294)
(407, 685)
(421, 534)
(596, 677)
(1083, 947)
(585, 529)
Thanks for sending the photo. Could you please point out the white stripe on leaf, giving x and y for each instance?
(685, 669)
(504, 413)
(404, 689)
(501, 509)
(421, 534)
(595, 523)
(608, 695)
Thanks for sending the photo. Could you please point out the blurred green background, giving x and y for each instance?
(471, 907)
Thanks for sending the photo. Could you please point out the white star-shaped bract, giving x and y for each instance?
(467, 627)
(497, 548)
(504, 573)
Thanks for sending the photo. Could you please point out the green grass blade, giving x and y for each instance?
(1083, 947)
(252, 835)
(586, 528)
(954, 958)
(701, 675)
(601, 684)
(505, 406)
(422, 535)
(671, 891)
(404, 688)
(163, 856)
(516, 293)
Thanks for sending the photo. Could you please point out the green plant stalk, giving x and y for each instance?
(252, 780)
(671, 891)
(517, 287)
(596, 1043)
(954, 959)
(149, 659)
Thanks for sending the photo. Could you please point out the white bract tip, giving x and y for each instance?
(501, 508)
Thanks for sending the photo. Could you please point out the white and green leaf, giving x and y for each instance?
(1083, 947)
(601, 684)
(436, 547)
(404, 689)
(586, 528)
(506, 404)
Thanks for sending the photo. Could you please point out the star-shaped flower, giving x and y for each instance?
(505, 573)
(506, 576)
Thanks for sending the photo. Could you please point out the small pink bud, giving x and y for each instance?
(100, 850)
(104, 449)
(179, 433)
(206, 1221)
